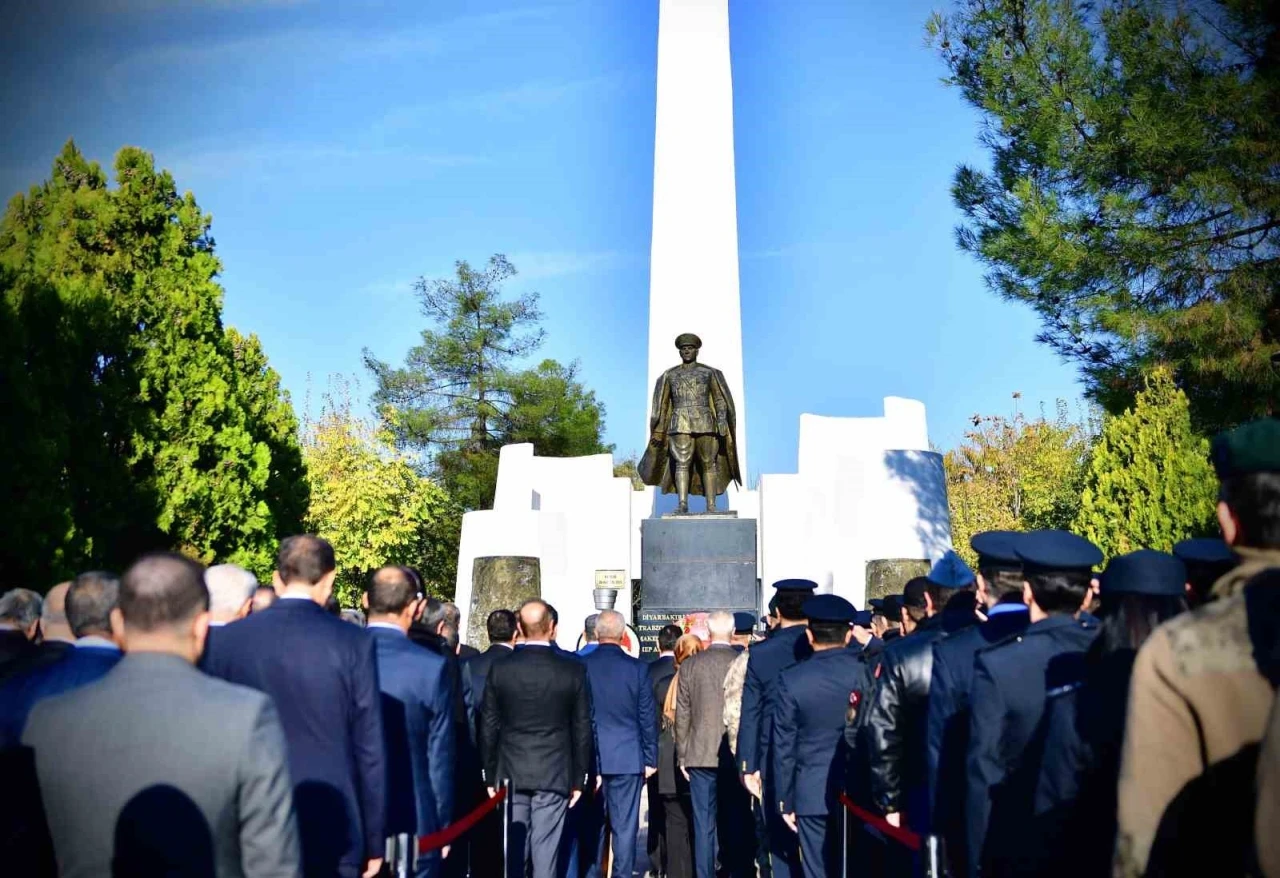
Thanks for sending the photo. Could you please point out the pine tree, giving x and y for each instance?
(1149, 482)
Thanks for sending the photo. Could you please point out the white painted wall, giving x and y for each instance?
(693, 266)
(867, 488)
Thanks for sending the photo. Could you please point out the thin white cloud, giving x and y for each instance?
(531, 95)
(276, 159)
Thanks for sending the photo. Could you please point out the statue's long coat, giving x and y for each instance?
(655, 466)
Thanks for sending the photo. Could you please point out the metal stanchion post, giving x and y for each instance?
(844, 841)
(934, 858)
(405, 853)
(506, 828)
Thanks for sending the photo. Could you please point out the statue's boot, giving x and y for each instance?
(709, 483)
(682, 489)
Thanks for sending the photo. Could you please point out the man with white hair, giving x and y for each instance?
(626, 730)
(702, 750)
(231, 589)
(56, 638)
(19, 624)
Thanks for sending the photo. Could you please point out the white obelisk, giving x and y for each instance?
(693, 263)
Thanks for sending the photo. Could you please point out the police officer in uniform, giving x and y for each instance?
(1207, 560)
(788, 646)
(999, 579)
(809, 716)
(1007, 701)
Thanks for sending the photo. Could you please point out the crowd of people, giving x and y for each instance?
(1036, 715)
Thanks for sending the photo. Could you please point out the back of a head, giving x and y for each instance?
(433, 613)
(390, 592)
(160, 591)
(230, 586)
(535, 620)
(667, 637)
(1247, 461)
(611, 627)
(688, 645)
(501, 626)
(53, 615)
(90, 600)
(263, 597)
(304, 559)
(789, 604)
(20, 607)
(589, 627)
(452, 615)
(355, 617)
(720, 625)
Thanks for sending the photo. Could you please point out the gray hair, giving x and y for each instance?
(721, 625)
(90, 600)
(610, 625)
(355, 617)
(229, 587)
(589, 626)
(21, 606)
(54, 611)
(452, 615)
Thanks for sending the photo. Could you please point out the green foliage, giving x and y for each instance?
(1149, 483)
(461, 394)
(134, 421)
(373, 505)
(1015, 474)
(1133, 199)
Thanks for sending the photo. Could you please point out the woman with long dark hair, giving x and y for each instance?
(1084, 721)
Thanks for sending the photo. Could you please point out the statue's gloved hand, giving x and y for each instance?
(722, 427)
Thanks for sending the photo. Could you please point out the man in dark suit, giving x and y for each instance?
(56, 638)
(323, 676)
(661, 670)
(701, 748)
(1010, 682)
(417, 719)
(999, 579)
(501, 628)
(786, 647)
(535, 734)
(192, 778)
(809, 720)
(19, 624)
(626, 737)
(453, 622)
(90, 600)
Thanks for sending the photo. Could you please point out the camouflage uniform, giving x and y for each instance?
(1196, 700)
(733, 683)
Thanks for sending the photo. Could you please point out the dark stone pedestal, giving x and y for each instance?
(888, 576)
(690, 563)
(499, 581)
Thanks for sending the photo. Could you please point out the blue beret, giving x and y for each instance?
(1250, 448)
(828, 608)
(951, 572)
(1204, 550)
(743, 623)
(1056, 550)
(1145, 571)
(995, 548)
(795, 585)
(862, 618)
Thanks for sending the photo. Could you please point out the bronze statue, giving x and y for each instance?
(693, 445)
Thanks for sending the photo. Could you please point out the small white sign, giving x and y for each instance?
(611, 579)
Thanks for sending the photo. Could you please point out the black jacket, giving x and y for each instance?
(897, 722)
(535, 725)
(477, 667)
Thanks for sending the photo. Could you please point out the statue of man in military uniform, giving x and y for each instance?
(693, 446)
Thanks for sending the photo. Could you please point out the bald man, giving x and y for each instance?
(535, 734)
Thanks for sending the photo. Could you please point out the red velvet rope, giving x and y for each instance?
(450, 833)
(897, 833)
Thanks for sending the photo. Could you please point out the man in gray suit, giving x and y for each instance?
(702, 750)
(192, 778)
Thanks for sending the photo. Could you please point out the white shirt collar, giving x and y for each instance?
(96, 641)
(536, 643)
(396, 628)
(506, 645)
(216, 623)
(297, 597)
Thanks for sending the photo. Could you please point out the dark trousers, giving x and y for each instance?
(622, 808)
(737, 831)
(784, 848)
(537, 822)
(761, 827)
(703, 784)
(655, 842)
(819, 838)
(678, 811)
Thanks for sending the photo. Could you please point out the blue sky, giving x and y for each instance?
(346, 149)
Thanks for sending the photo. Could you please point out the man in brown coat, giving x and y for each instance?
(702, 751)
(1198, 703)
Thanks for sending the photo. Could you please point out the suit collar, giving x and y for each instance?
(828, 653)
(154, 663)
(1053, 623)
(384, 629)
(293, 604)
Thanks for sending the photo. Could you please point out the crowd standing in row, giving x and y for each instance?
(1034, 717)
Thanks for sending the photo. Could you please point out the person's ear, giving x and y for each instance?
(808, 635)
(1229, 523)
(1027, 597)
(981, 592)
(199, 634)
(245, 608)
(276, 582)
(929, 607)
(117, 626)
(848, 635)
(364, 602)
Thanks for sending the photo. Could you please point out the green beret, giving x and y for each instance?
(685, 338)
(1250, 448)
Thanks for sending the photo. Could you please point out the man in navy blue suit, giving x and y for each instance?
(626, 736)
(417, 719)
(1010, 683)
(322, 674)
(999, 596)
(90, 600)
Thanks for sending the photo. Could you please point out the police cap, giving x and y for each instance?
(950, 571)
(829, 608)
(891, 608)
(1204, 550)
(862, 618)
(1048, 551)
(913, 594)
(796, 585)
(995, 550)
(1145, 571)
(743, 623)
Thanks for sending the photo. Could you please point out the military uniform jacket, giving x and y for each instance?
(810, 708)
(1198, 707)
(1010, 683)
(767, 660)
(733, 683)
